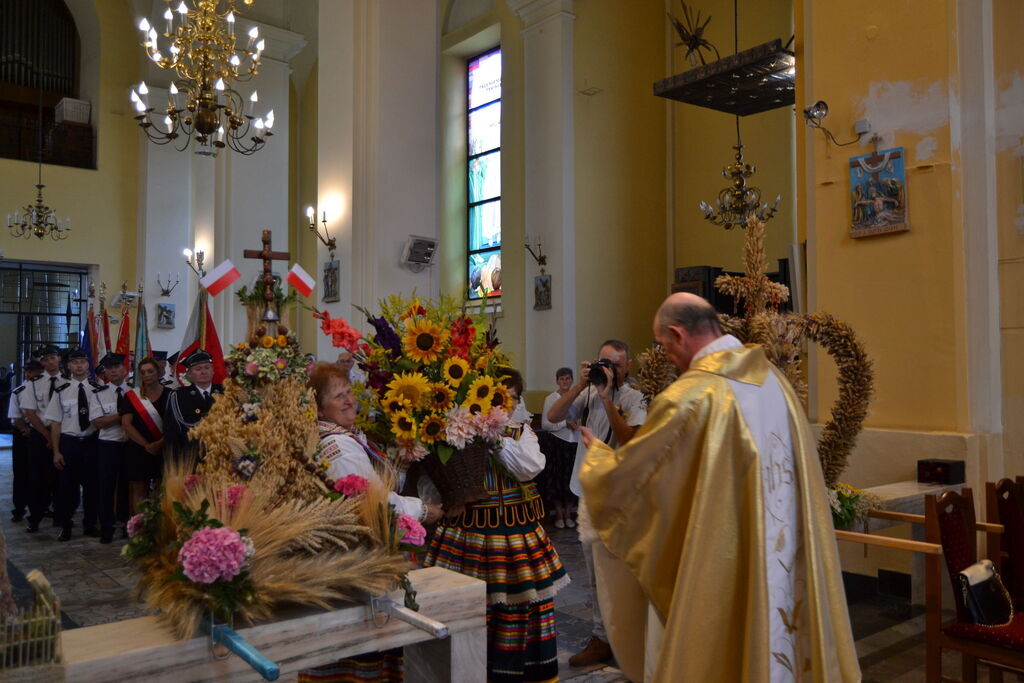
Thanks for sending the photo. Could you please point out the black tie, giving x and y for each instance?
(119, 392)
(83, 408)
(53, 387)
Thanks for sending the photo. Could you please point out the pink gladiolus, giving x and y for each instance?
(414, 534)
(134, 526)
(212, 554)
(352, 485)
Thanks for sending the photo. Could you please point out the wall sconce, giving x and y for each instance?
(816, 113)
(327, 240)
(165, 290)
(538, 256)
(197, 266)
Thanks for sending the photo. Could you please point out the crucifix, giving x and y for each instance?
(269, 314)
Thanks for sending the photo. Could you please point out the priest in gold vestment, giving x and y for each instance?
(719, 559)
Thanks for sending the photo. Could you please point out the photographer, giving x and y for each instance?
(613, 410)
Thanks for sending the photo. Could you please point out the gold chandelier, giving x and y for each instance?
(738, 201)
(201, 47)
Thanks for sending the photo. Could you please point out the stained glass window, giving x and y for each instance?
(483, 174)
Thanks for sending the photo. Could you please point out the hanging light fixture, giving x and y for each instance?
(38, 219)
(201, 47)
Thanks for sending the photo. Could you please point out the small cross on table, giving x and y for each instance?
(269, 314)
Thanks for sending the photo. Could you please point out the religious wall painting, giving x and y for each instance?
(165, 316)
(878, 193)
(331, 290)
(542, 292)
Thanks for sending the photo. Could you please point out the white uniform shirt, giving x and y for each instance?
(37, 396)
(103, 403)
(63, 407)
(630, 404)
(559, 429)
(14, 411)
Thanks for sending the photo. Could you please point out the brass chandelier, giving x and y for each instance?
(738, 201)
(200, 45)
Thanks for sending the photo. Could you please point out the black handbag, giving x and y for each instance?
(983, 595)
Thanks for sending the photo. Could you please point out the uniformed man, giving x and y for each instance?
(73, 439)
(103, 411)
(166, 376)
(188, 405)
(20, 448)
(34, 401)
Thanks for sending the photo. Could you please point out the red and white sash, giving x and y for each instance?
(147, 413)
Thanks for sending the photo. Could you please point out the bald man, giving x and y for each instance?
(718, 560)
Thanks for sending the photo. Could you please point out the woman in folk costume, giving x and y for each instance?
(141, 410)
(500, 540)
(348, 452)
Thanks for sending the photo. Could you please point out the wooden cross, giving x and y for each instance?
(269, 314)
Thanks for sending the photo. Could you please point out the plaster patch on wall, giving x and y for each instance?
(1010, 113)
(925, 149)
(901, 107)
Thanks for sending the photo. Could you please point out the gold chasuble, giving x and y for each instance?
(681, 510)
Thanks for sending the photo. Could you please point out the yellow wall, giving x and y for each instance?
(102, 203)
(703, 141)
(1007, 20)
(902, 293)
(621, 273)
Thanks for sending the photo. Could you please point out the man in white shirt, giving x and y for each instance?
(73, 440)
(34, 401)
(103, 411)
(612, 409)
(20, 463)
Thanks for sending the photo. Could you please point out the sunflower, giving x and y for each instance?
(403, 426)
(455, 370)
(423, 340)
(440, 397)
(432, 429)
(476, 406)
(413, 386)
(500, 399)
(481, 390)
(267, 341)
(482, 361)
(394, 403)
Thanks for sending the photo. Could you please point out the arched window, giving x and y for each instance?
(39, 59)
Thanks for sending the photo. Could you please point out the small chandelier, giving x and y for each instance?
(201, 102)
(39, 220)
(738, 201)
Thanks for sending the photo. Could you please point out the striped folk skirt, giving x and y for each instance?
(380, 667)
(523, 572)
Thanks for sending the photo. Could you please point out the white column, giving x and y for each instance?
(550, 181)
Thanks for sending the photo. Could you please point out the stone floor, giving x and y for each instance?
(95, 587)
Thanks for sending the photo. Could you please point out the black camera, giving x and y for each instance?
(596, 374)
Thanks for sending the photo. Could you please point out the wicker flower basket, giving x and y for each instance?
(462, 479)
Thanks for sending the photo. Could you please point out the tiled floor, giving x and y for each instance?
(95, 587)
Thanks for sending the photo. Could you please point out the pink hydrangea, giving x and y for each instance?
(352, 485)
(191, 482)
(134, 526)
(232, 497)
(280, 364)
(212, 554)
(492, 425)
(411, 450)
(414, 534)
(252, 369)
(459, 429)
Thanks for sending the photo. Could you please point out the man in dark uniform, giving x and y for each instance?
(73, 438)
(103, 411)
(166, 378)
(188, 405)
(34, 402)
(20, 448)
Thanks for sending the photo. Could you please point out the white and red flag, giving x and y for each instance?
(300, 280)
(202, 335)
(217, 280)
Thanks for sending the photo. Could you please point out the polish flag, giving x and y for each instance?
(300, 280)
(217, 280)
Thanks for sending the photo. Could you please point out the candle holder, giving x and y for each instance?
(166, 289)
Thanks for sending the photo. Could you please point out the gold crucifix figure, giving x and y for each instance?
(270, 314)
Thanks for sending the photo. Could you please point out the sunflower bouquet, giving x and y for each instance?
(433, 383)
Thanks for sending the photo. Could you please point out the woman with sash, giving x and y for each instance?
(348, 452)
(141, 410)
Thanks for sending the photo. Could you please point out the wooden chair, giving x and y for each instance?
(950, 522)
(1004, 504)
